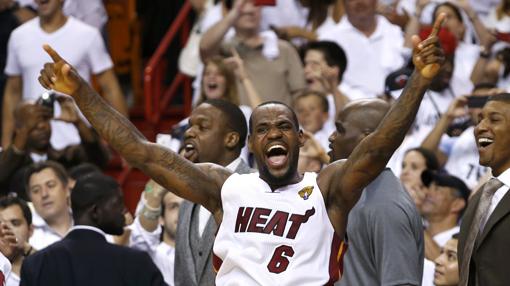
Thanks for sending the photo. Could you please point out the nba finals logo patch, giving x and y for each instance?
(306, 192)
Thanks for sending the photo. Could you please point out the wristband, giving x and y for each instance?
(151, 213)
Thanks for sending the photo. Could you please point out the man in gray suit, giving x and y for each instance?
(216, 134)
(384, 230)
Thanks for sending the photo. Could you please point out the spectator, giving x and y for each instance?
(155, 227)
(459, 155)
(383, 215)
(49, 190)
(485, 222)
(417, 160)
(444, 204)
(31, 143)
(92, 12)
(312, 112)
(196, 228)
(374, 48)
(325, 63)
(273, 65)
(84, 257)
(8, 250)
(80, 42)
(447, 265)
(15, 213)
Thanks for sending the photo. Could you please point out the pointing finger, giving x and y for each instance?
(437, 24)
(54, 55)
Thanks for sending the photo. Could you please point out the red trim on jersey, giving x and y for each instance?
(216, 262)
(336, 259)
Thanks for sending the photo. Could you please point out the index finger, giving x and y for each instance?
(235, 53)
(437, 24)
(54, 55)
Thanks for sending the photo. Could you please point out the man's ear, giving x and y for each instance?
(301, 138)
(458, 205)
(249, 144)
(231, 140)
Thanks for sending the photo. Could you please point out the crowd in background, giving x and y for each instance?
(315, 56)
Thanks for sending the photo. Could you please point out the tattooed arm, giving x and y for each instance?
(342, 182)
(198, 184)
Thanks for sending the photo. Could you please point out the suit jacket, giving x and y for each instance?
(489, 261)
(186, 272)
(84, 257)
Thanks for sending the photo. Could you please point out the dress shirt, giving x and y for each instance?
(501, 192)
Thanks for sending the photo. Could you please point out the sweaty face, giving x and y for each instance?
(48, 194)
(48, 7)
(447, 266)
(310, 113)
(213, 82)
(13, 217)
(203, 140)
(412, 167)
(345, 138)
(275, 142)
(250, 17)
(493, 136)
(171, 204)
(314, 64)
(438, 201)
(111, 217)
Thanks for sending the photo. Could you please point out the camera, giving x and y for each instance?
(47, 99)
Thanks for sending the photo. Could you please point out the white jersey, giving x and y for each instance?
(280, 237)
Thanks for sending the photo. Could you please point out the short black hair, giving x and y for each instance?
(57, 168)
(91, 189)
(431, 161)
(82, 170)
(308, 92)
(450, 5)
(500, 97)
(13, 200)
(234, 118)
(294, 116)
(333, 54)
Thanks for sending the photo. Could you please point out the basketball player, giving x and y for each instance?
(277, 225)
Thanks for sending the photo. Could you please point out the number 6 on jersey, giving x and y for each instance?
(280, 260)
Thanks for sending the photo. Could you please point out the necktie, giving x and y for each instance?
(480, 217)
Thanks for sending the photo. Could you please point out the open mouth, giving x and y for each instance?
(276, 156)
(190, 151)
(484, 142)
(212, 86)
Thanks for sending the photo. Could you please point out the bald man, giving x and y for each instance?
(384, 228)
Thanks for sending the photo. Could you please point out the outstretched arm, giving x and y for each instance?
(344, 181)
(166, 167)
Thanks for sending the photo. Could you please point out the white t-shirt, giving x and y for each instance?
(91, 12)
(12, 280)
(80, 44)
(369, 59)
(432, 107)
(285, 13)
(442, 238)
(282, 236)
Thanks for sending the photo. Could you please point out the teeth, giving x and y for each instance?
(189, 146)
(275, 147)
(485, 140)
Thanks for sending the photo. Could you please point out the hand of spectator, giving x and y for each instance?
(417, 193)
(237, 65)
(31, 115)
(9, 243)
(391, 13)
(427, 54)
(237, 9)
(59, 75)
(457, 108)
(292, 32)
(69, 111)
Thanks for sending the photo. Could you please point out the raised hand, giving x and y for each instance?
(9, 245)
(236, 64)
(428, 55)
(59, 75)
(69, 110)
